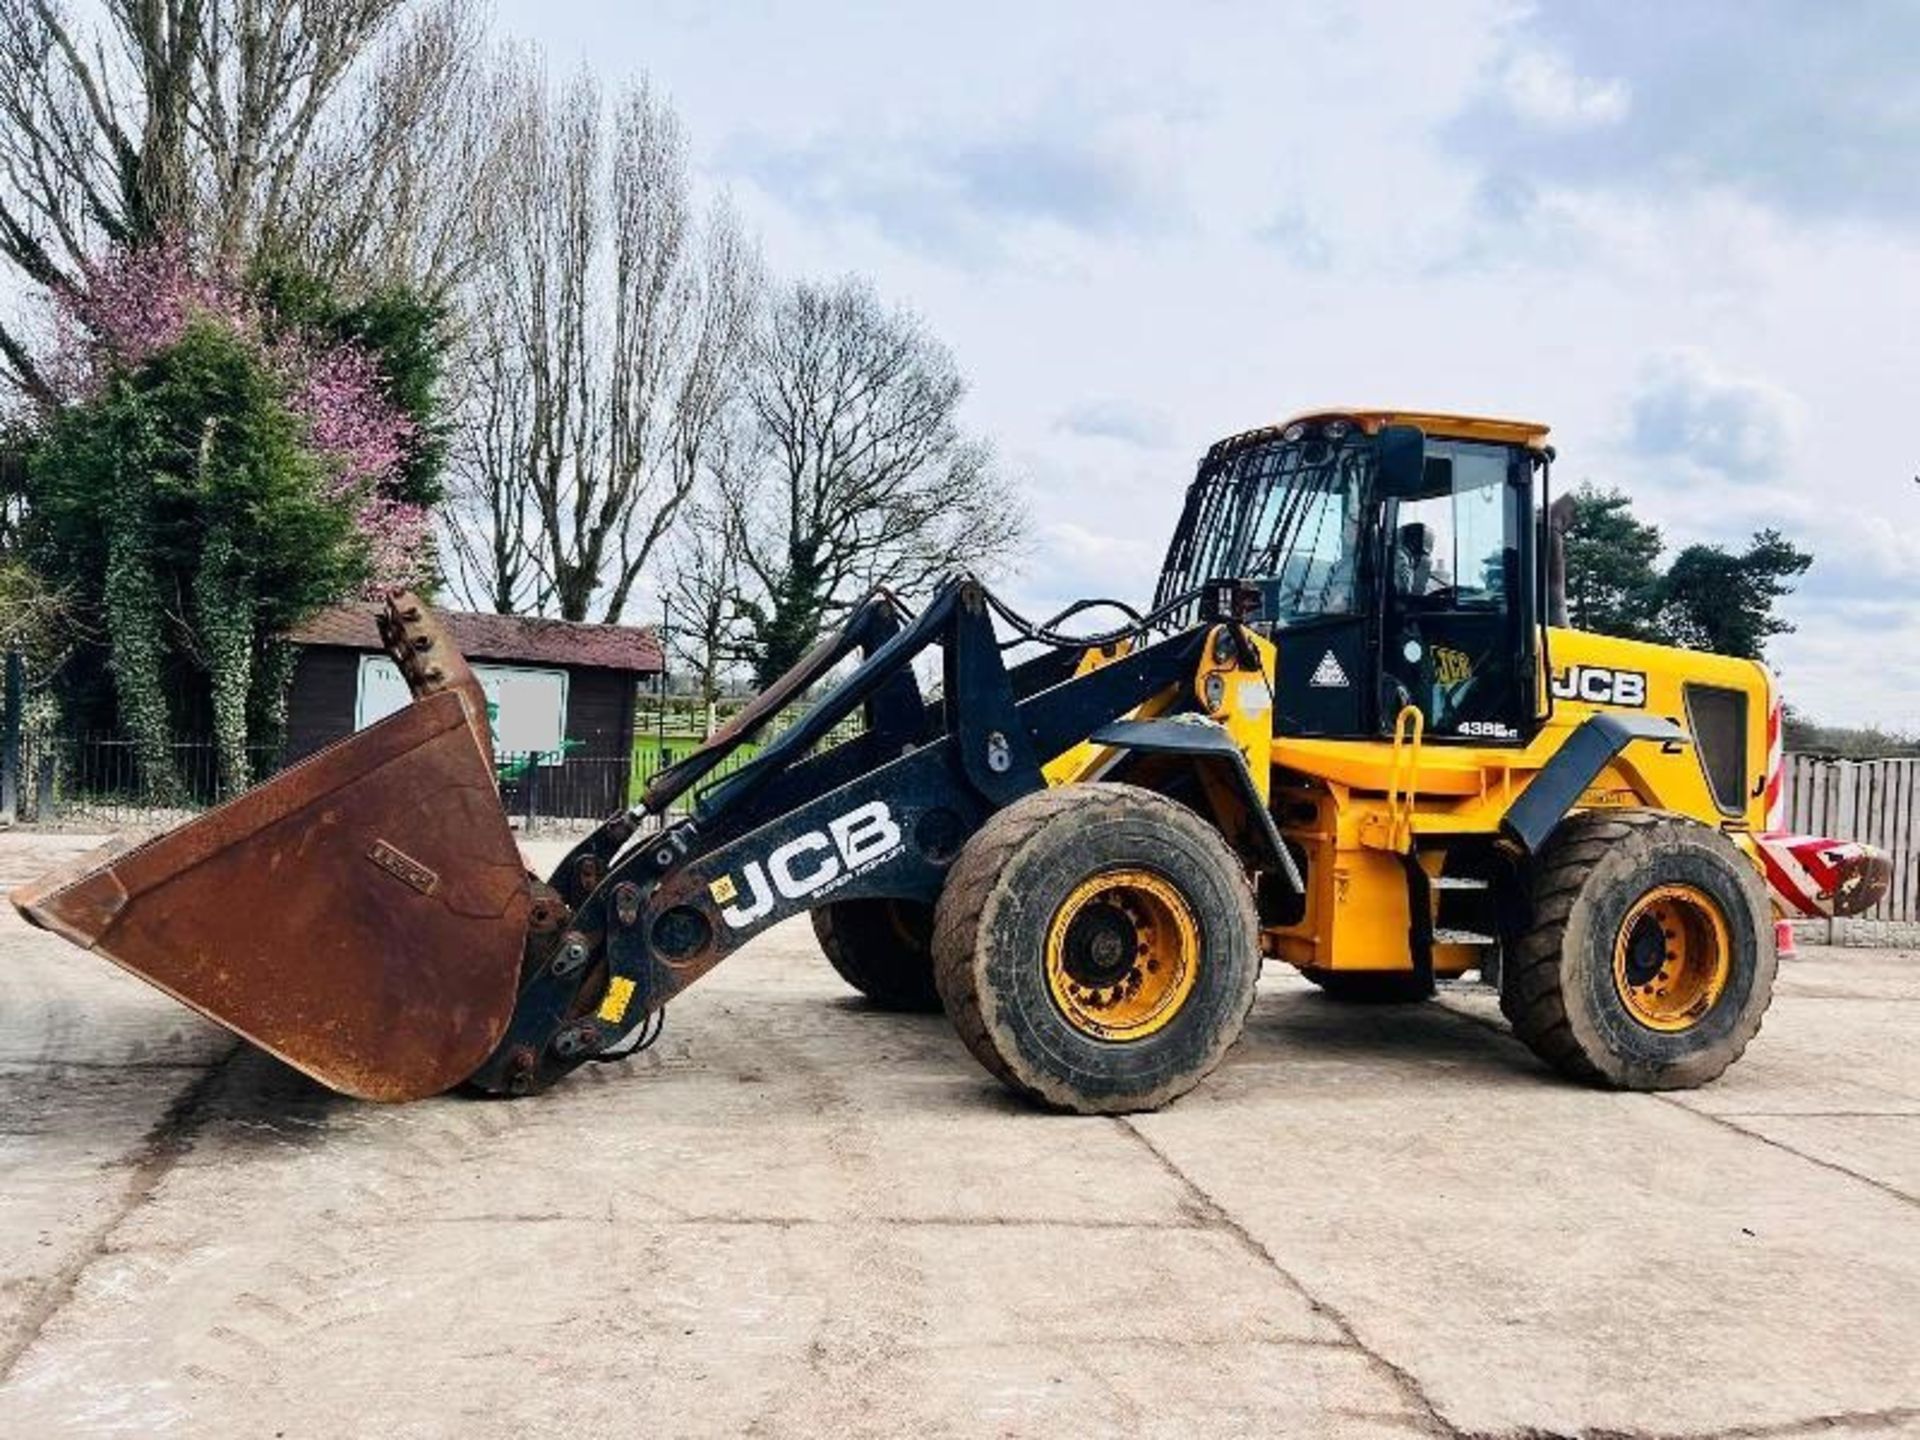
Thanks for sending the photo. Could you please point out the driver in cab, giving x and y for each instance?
(1415, 572)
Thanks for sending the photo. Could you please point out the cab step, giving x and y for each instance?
(1463, 937)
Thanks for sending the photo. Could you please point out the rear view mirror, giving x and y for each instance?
(1400, 455)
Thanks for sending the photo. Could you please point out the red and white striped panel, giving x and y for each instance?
(1816, 876)
(1776, 760)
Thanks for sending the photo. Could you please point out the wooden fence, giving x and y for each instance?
(1873, 800)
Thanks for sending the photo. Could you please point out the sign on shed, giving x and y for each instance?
(527, 706)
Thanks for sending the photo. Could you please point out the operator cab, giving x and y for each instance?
(1395, 558)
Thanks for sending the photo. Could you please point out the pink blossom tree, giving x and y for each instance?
(216, 471)
(134, 304)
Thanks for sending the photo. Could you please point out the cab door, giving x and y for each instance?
(1457, 599)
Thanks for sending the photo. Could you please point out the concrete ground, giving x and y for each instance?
(796, 1216)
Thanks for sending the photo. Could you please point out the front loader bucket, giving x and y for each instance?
(361, 915)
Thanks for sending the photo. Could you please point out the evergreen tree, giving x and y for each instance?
(1708, 599)
(1612, 579)
(213, 472)
(404, 332)
(1711, 599)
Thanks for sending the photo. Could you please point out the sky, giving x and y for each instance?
(1685, 236)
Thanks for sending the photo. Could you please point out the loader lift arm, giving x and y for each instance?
(882, 815)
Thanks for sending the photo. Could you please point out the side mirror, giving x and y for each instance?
(1400, 459)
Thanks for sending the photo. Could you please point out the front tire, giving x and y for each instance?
(1097, 948)
(1649, 961)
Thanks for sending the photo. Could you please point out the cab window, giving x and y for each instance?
(1452, 611)
(1452, 543)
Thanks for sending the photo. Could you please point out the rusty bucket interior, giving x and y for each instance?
(361, 915)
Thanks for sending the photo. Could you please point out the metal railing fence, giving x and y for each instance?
(99, 783)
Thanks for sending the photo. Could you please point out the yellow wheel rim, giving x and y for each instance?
(1123, 953)
(1672, 957)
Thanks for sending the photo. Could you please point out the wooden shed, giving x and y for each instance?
(561, 697)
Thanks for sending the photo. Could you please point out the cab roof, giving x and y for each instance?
(1446, 427)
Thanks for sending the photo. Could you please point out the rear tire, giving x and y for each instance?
(1096, 947)
(1371, 987)
(1648, 962)
(883, 949)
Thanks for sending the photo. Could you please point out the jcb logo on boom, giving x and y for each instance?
(1598, 685)
(851, 843)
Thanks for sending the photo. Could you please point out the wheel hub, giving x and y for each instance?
(1646, 951)
(1672, 958)
(1122, 954)
(1101, 945)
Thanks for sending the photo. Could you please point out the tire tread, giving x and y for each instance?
(979, 869)
(1531, 994)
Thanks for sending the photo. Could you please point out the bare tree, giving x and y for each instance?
(711, 631)
(609, 324)
(864, 476)
(392, 188)
(337, 132)
(491, 533)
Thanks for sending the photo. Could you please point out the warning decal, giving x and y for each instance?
(1328, 673)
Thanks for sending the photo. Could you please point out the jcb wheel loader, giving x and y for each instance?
(1353, 734)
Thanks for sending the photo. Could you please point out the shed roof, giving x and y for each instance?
(521, 639)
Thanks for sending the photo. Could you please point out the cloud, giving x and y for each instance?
(1523, 202)
(1079, 562)
(1685, 409)
(1849, 665)
(1122, 420)
(1293, 232)
(1861, 556)
(1807, 109)
(1716, 456)
(955, 195)
(1509, 223)
(1542, 89)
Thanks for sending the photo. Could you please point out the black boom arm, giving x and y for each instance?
(880, 815)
